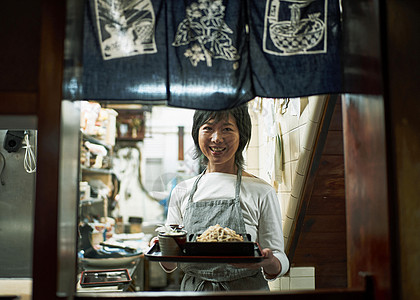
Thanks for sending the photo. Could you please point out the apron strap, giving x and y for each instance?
(194, 188)
(238, 184)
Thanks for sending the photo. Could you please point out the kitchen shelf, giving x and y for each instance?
(94, 140)
(95, 162)
(90, 201)
(96, 171)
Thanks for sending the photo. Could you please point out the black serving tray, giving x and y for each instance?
(154, 254)
(95, 278)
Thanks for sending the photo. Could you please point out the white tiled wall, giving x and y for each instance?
(299, 278)
(252, 154)
(297, 122)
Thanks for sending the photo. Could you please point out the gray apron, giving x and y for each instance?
(211, 276)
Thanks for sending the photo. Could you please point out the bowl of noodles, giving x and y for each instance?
(219, 241)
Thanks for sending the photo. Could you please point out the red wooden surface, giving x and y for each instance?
(368, 240)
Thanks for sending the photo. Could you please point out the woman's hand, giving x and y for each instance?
(270, 264)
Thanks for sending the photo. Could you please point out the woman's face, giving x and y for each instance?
(219, 143)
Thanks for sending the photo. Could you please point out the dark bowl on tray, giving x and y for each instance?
(193, 248)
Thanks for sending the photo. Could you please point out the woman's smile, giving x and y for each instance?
(219, 143)
(217, 150)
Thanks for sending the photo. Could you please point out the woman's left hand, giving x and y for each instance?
(270, 264)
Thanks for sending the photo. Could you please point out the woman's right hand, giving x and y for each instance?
(168, 267)
(153, 241)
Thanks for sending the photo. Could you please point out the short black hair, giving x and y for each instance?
(243, 121)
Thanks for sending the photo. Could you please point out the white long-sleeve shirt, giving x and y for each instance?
(259, 203)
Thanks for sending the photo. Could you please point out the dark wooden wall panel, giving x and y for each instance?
(331, 165)
(334, 144)
(319, 241)
(402, 83)
(20, 25)
(18, 103)
(329, 186)
(328, 223)
(326, 206)
(322, 241)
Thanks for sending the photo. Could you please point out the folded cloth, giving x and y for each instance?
(295, 47)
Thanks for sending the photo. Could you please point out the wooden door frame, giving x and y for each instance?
(45, 253)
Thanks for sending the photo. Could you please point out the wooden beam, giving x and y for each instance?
(368, 240)
(45, 254)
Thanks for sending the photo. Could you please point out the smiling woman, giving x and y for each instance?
(225, 194)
